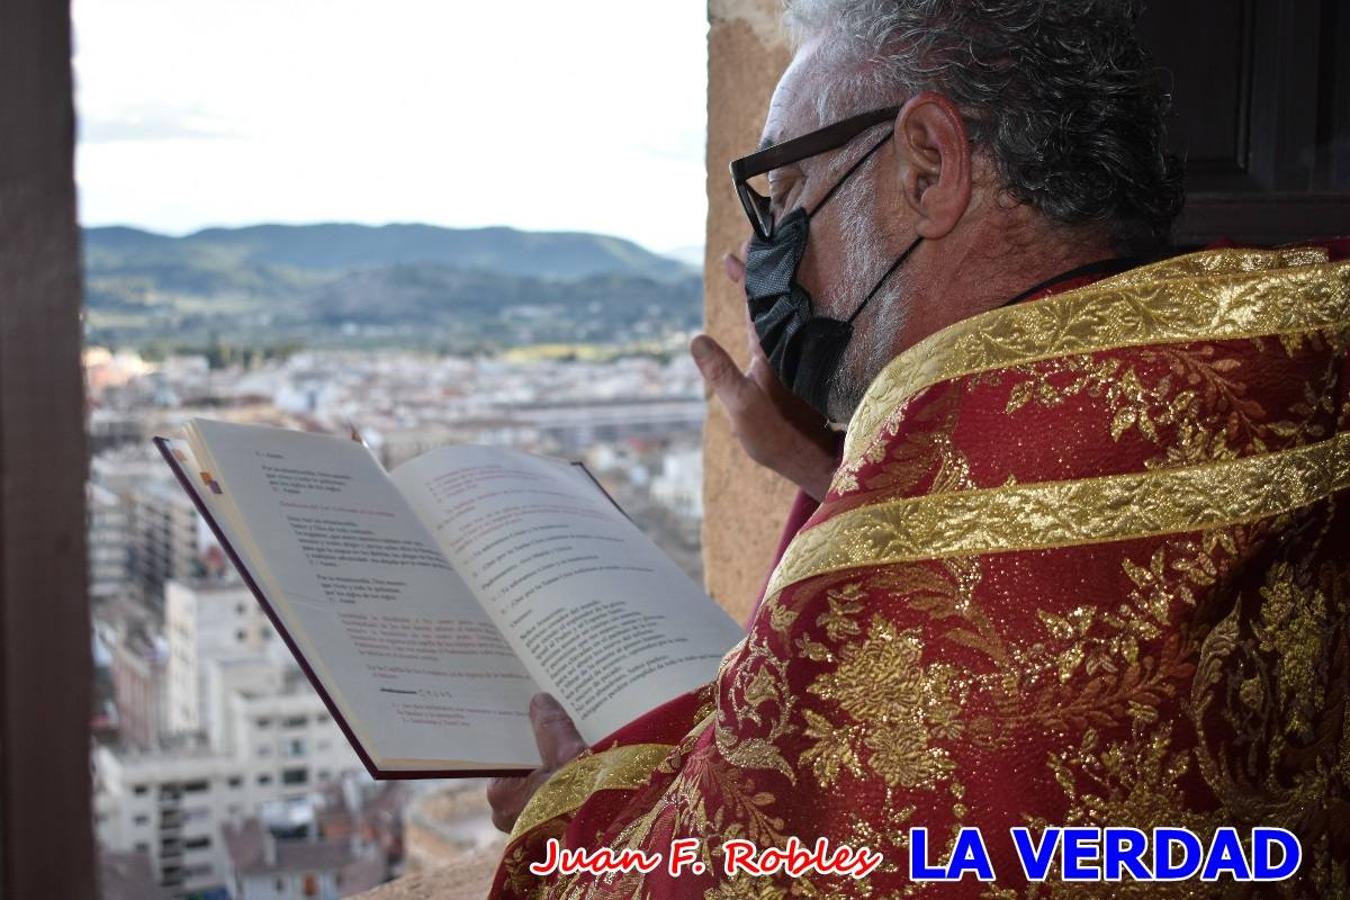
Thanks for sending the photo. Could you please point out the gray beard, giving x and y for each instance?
(877, 327)
(866, 258)
(871, 348)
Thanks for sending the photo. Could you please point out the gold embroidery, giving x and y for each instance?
(1136, 780)
(1194, 389)
(1069, 513)
(1195, 679)
(707, 705)
(1106, 315)
(832, 751)
(744, 735)
(707, 798)
(746, 888)
(622, 768)
(927, 453)
(896, 704)
(1267, 705)
(1268, 700)
(1230, 261)
(844, 604)
(944, 590)
(519, 879)
(1291, 628)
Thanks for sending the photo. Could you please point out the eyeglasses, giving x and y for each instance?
(758, 208)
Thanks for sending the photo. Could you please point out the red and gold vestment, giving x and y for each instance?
(1086, 561)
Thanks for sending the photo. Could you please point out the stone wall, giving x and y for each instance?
(451, 849)
(469, 879)
(450, 826)
(744, 505)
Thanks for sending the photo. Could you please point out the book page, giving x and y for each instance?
(398, 639)
(601, 617)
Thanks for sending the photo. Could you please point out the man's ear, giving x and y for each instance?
(934, 163)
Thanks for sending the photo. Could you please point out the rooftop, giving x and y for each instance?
(254, 851)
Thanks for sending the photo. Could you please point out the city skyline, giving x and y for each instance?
(218, 771)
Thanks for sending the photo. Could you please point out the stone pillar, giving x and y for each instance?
(744, 505)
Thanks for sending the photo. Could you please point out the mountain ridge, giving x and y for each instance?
(467, 290)
(336, 246)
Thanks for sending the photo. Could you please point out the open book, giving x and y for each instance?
(428, 604)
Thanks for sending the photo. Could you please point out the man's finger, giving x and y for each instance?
(504, 821)
(558, 739)
(720, 372)
(507, 798)
(501, 790)
(512, 795)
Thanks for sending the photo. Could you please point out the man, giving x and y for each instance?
(1083, 559)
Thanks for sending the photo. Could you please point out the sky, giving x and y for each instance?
(586, 115)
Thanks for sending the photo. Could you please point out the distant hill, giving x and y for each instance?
(463, 290)
(341, 247)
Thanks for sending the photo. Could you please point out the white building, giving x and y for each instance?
(246, 731)
(280, 746)
(123, 469)
(205, 621)
(266, 868)
(577, 426)
(109, 535)
(167, 538)
(680, 485)
(140, 686)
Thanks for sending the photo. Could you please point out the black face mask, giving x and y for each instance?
(803, 349)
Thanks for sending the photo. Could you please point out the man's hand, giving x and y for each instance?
(559, 743)
(777, 429)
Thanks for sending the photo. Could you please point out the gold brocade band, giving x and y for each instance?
(1213, 295)
(1068, 513)
(619, 768)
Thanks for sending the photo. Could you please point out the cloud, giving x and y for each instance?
(151, 123)
(535, 114)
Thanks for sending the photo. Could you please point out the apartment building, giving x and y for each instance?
(273, 743)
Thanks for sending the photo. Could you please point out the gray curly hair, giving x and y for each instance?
(1059, 93)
